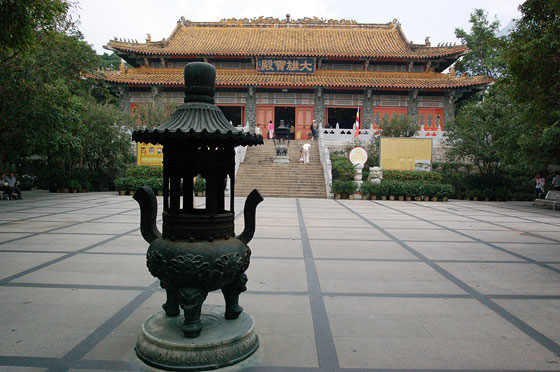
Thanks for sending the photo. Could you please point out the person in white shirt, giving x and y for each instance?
(556, 181)
(539, 186)
(258, 129)
(305, 151)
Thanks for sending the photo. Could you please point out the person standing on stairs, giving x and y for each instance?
(270, 130)
(305, 151)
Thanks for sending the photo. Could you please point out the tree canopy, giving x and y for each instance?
(47, 110)
(516, 121)
(398, 126)
(486, 48)
(533, 59)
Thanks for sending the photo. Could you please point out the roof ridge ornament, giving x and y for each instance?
(288, 20)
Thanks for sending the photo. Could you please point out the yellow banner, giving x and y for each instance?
(406, 153)
(149, 154)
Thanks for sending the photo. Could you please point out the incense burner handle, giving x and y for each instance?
(249, 212)
(148, 213)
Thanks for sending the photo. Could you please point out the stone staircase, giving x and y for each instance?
(293, 180)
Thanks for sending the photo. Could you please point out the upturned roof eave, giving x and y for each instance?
(169, 53)
(277, 84)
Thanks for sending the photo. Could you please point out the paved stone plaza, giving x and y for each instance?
(333, 285)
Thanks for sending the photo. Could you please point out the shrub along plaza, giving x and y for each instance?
(448, 180)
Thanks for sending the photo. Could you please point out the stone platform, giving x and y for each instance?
(222, 342)
(334, 285)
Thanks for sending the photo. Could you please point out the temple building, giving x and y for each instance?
(299, 70)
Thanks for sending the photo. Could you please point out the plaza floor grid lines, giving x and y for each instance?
(334, 285)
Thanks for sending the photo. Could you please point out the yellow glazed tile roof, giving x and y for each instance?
(314, 38)
(343, 79)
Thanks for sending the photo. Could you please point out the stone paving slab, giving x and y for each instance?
(334, 285)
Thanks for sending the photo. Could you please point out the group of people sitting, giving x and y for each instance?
(8, 184)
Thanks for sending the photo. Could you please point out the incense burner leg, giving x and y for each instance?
(171, 306)
(191, 300)
(231, 294)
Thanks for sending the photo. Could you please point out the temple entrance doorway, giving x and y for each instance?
(286, 113)
(234, 114)
(345, 117)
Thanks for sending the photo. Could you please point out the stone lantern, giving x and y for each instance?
(197, 251)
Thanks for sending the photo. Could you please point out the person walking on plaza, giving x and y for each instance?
(556, 181)
(539, 186)
(305, 151)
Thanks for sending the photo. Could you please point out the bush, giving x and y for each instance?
(398, 188)
(384, 188)
(200, 185)
(444, 190)
(372, 148)
(343, 187)
(399, 126)
(26, 182)
(145, 171)
(86, 185)
(390, 174)
(368, 188)
(342, 169)
(74, 185)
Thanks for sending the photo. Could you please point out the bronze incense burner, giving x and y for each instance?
(197, 252)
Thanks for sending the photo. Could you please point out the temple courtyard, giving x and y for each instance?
(334, 285)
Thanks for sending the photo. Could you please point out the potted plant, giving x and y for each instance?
(399, 189)
(158, 185)
(337, 188)
(365, 190)
(350, 188)
(406, 191)
(384, 190)
(200, 186)
(391, 189)
(86, 186)
(120, 185)
(433, 190)
(418, 195)
(375, 191)
(74, 186)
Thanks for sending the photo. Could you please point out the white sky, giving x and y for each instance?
(101, 20)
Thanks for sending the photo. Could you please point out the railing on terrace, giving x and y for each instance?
(240, 152)
(337, 136)
(324, 156)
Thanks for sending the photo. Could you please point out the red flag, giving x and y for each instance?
(357, 124)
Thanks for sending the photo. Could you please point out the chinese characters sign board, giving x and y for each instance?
(358, 155)
(286, 65)
(406, 153)
(149, 154)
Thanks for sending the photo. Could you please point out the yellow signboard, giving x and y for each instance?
(149, 154)
(406, 153)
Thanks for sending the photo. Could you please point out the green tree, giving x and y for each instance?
(112, 61)
(533, 59)
(486, 133)
(37, 93)
(399, 126)
(21, 21)
(486, 48)
(153, 114)
(49, 111)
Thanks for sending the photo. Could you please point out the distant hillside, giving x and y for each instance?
(506, 30)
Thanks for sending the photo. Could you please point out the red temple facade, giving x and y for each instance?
(300, 70)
